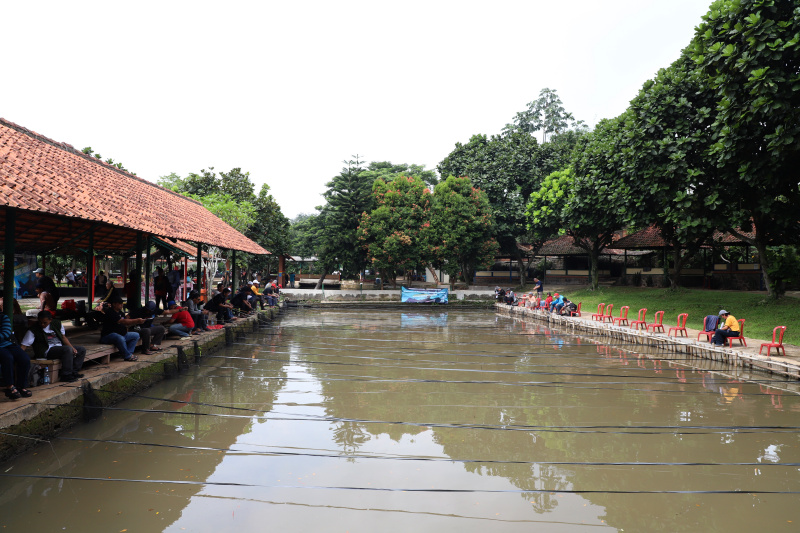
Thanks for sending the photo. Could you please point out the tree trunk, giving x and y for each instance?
(522, 269)
(594, 274)
(318, 286)
(433, 274)
(677, 261)
(761, 246)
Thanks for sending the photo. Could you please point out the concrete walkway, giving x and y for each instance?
(788, 365)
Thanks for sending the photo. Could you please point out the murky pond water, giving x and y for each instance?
(367, 420)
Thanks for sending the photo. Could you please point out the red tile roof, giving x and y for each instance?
(55, 183)
(648, 238)
(564, 245)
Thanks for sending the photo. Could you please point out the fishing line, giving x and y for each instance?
(278, 453)
(600, 429)
(390, 489)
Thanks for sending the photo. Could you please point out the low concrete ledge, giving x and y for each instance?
(56, 407)
(688, 345)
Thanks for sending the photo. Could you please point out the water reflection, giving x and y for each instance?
(396, 421)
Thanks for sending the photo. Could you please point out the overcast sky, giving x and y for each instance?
(288, 90)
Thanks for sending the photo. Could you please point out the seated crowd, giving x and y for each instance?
(45, 336)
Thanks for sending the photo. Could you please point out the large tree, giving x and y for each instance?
(397, 232)
(585, 201)
(750, 52)
(505, 167)
(667, 171)
(545, 114)
(388, 171)
(463, 233)
(348, 195)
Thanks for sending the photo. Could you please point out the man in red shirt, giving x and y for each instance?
(181, 323)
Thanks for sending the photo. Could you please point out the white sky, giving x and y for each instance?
(288, 90)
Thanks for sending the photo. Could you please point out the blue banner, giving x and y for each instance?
(426, 296)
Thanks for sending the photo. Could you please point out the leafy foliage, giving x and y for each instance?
(545, 114)
(463, 229)
(397, 233)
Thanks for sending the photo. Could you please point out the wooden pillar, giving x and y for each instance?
(282, 270)
(199, 270)
(185, 277)
(147, 269)
(8, 262)
(137, 284)
(90, 266)
(234, 277)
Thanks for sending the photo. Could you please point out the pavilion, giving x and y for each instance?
(55, 199)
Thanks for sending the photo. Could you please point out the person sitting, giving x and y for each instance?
(71, 279)
(46, 300)
(556, 301)
(198, 314)
(240, 301)
(19, 322)
(219, 305)
(568, 308)
(115, 330)
(110, 292)
(269, 291)
(181, 323)
(258, 295)
(530, 300)
(729, 329)
(510, 297)
(15, 365)
(548, 301)
(48, 284)
(49, 341)
(151, 334)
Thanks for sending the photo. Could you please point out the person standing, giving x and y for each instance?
(100, 281)
(729, 329)
(49, 341)
(538, 287)
(47, 283)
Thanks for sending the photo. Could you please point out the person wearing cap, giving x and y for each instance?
(47, 283)
(729, 329)
(151, 334)
(115, 330)
(558, 301)
(181, 323)
(272, 301)
(259, 296)
(49, 341)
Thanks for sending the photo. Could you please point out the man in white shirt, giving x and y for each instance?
(49, 341)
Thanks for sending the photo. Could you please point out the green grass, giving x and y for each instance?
(762, 315)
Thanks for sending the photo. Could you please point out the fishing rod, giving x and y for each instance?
(391, 489)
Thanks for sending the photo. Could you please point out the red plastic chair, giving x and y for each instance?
(607, 316)
(642, 320)
(599, 314)
(657, 322)
(681, 326)
(709, 334)
(740, 338)
(623, 316)
(777, 345)
(576, 312)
